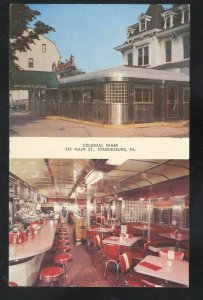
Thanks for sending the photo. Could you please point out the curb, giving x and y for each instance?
(178, 124)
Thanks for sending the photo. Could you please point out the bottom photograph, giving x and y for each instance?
(99, 223)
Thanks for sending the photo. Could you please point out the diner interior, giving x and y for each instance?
(99, 223)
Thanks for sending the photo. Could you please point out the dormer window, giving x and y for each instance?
(185, 9)
(168, 23)
(143, 19)
(168, 19)
(142, 25)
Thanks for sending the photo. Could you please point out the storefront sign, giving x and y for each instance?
(30, 86)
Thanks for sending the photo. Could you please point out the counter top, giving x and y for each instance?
(41, 242)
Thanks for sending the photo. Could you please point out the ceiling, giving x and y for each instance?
(59, 178)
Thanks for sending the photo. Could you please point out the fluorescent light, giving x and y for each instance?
(115, 161)
(94, 177)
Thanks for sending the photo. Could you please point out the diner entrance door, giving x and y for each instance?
(172, 102)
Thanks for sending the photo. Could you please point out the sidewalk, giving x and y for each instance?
(29, 125)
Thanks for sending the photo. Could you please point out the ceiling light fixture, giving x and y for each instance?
(94, 177)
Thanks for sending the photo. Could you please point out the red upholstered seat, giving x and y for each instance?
(62, 248)
(115, 230)
(175, 255)
(98, 249)
(112, 256)
(63, 257)
(126, 265)
(11, 283)
(130, 277)
(63, 236)
(63, 241)
(51, 274)
(132, 282)
(141, 253)
(90, 235)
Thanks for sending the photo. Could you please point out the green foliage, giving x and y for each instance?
(21, 37)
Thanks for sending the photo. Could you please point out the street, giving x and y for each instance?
(29, 125)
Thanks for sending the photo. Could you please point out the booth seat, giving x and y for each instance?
(156, 241)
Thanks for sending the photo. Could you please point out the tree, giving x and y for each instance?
(20, 36)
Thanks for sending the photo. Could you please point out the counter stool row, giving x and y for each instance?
(63, 258)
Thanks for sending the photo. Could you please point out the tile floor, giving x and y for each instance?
(82, 271)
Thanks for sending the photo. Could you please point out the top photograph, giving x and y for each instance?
(99, 70)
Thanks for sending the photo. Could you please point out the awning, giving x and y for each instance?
(25, 80)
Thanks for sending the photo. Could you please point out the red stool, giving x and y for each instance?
(51, 274)
(62, 237)
(63, 232)
(62, 248)
(63, 259)
(12, 284)
(64, 225)
(63, 241)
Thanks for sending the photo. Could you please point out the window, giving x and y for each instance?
(168, 23)
(143, 56)
(172, 93)
(143, 96)
(143, 19)
(76, 95)
(116, 92)
(65, 96)
(186, 46)
(130, 59)
(186, 95)
(185, 9)
(44, 48)
(88, 95)
(142, 25)
(168, 19)
(30, 63)
(168, 50)
(186, 16)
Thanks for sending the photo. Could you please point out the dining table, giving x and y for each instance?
(176, 271)
(177, 237)
(143, 229)
(122, 241)
(102, 230)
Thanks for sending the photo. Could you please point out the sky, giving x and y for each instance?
(89, 31)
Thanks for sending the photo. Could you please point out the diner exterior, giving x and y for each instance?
(99, 223)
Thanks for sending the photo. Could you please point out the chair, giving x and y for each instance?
(115, 230)
(173, 255)
(112, 256)
(97, 247)
(90, 235)
(130, 277)
(141, 252)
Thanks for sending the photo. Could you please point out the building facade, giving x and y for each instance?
(160, 39)
(41, 56)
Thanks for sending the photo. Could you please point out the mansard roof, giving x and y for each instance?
(155, 11)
